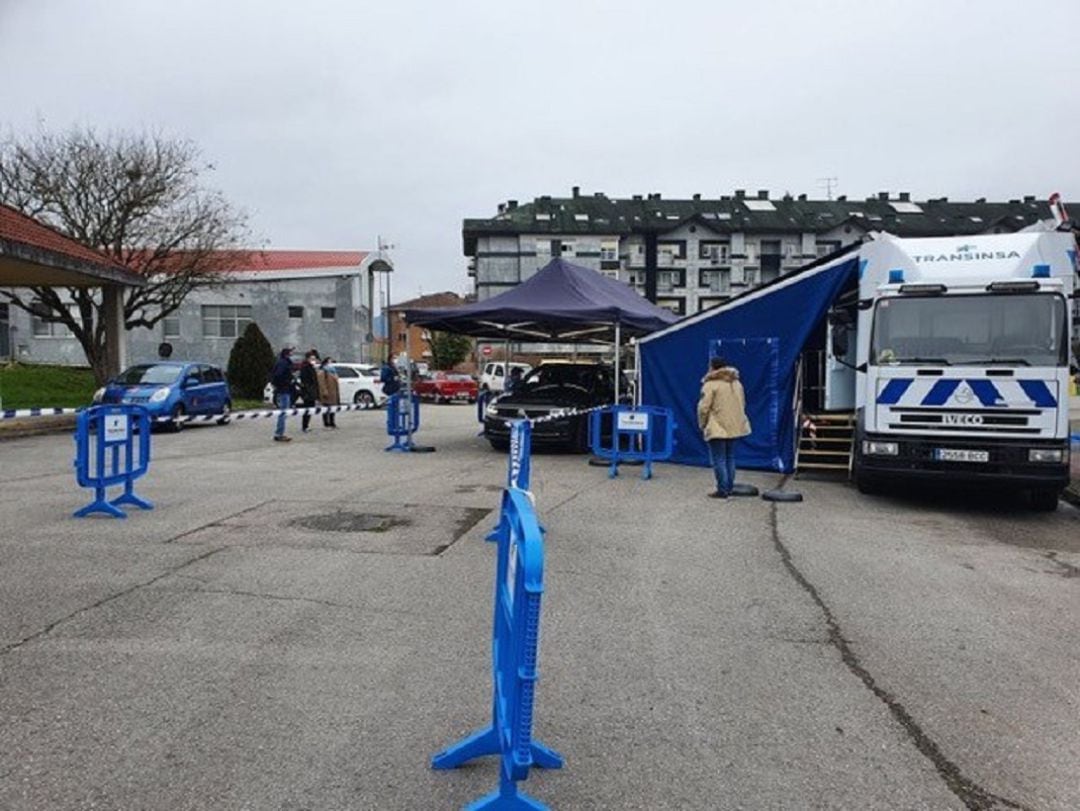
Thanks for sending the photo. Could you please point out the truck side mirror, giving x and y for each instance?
(839, 340)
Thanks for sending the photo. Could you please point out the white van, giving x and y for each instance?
(494, 375)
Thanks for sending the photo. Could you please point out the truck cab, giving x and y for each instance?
(962, 361)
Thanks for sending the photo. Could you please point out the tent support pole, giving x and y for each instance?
(408, 380)
(618, 347)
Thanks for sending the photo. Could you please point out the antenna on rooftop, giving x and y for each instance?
(384, 246)
(828, 183)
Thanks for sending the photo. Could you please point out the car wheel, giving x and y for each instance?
(177, 418)
(226, 414)
(364, 398)
(1044, 501)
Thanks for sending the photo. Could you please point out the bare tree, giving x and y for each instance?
(136, 198)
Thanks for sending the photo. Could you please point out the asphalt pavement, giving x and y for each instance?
(301, 626)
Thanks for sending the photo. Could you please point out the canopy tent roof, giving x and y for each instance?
(562, 301)
(34, 255)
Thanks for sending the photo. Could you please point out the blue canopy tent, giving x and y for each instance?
(762, 333)
(560, 302)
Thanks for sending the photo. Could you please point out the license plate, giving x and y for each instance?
(960, 455)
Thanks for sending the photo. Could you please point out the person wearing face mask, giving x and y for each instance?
(281, 380)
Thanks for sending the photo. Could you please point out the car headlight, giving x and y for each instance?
(99, 395)
(1046, 455)
(160, 395)
(491, 411)
(874, 448)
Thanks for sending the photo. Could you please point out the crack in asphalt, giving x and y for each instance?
(13, 646)
(1070, 569)
(260, 595)
(970, 793)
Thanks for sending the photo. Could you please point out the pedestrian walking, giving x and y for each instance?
(282, 382)
(309, 386)
(722, 419)
(514, 384)
(329, 391)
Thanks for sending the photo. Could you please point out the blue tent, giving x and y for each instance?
(561, 301)
(762, 333)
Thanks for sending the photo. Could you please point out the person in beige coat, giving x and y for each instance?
(329, 391)
(722, 419)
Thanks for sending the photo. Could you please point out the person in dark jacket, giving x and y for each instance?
(281, 380)
(516, 382)
(309, 386)
(388, 376)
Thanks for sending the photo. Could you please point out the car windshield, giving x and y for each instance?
(460, 378)
(158, 374)
(1006, 329)
(585, 377)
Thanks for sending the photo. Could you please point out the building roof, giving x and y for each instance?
(430, 301)
(32, 254)
(896, 214)
(266, 260)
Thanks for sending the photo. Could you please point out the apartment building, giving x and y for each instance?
(688, 255)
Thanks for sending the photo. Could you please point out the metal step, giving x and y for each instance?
(806, 452)
(822, 466)
(847, 440)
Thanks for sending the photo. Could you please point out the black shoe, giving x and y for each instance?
(717, 494)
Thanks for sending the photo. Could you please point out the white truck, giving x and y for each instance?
(960, 366)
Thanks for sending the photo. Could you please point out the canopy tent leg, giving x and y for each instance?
(618, 348)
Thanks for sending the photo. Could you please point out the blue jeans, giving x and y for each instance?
(722, 459)
(282, 400)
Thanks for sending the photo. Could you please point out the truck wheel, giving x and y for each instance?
(1044, 501)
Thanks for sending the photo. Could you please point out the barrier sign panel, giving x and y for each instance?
(402, 420)
(519, 584)
(116, 428)
(632, 421)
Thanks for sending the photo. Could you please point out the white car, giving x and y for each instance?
(357, 383)
(494, 376)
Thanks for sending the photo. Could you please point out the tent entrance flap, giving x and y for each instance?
(758, 362)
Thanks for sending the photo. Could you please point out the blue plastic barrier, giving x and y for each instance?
(638, 434)
(402, 421)
(519, 584)
(106, 455)
(1074, 458)
(519, 466)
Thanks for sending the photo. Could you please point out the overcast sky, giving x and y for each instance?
(334, 121)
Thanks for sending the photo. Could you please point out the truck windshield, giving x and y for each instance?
(971, 330)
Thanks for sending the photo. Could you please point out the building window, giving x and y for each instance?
(609, 254)
(543, 247)
(224, 320)
(566, 247)
(715, 281)
(750, 276)
(825, 247)
(705, 302)
(715, 253)
(667, 280)
(670, 252)
(170, 326)
(676, 305)
(296, 312)
(328, 313)
(40, 328)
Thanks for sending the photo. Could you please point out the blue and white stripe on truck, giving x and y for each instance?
(915, 392)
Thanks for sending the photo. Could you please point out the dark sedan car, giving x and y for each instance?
(552, 390)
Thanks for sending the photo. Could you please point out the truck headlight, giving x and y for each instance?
(871, 447)
(1046, 455)
(99, 395)
(159, 395)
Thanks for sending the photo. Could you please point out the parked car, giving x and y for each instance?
(171, 389)
(495, 373)
(446, 387)
(551, 390)
(357, 383)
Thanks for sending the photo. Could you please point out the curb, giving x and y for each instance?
(36, 426)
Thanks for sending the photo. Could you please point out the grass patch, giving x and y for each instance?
(24, 385)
